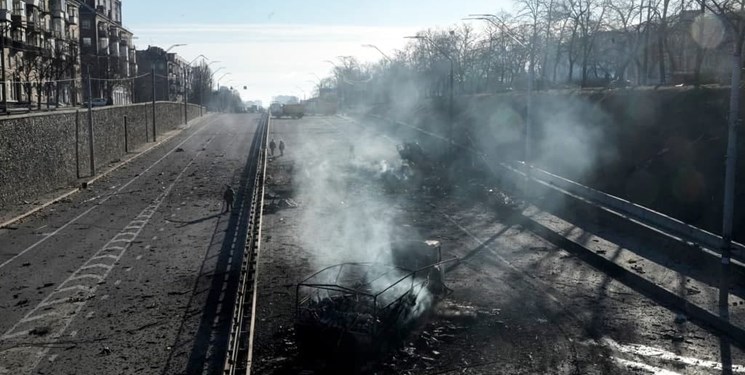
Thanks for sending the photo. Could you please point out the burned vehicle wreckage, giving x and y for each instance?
(352, 311)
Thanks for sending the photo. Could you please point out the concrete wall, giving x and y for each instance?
(38, 151)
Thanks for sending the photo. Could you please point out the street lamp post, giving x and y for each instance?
(219, 94)
(531, 77)
(337, 73)
(451, 108)
(2, 65)
(168, 72)
(188, 77)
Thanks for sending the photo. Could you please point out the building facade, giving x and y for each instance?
(40, 53)
(171, 75)
(107, 51)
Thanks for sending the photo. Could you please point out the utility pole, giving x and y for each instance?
(2, 48)
(152, 74)
(499, 23)
(451, 87)
(730, 169)
(90, 122)
(186, 109)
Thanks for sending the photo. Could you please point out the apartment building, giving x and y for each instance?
(171, 73)
(107, 50)
(40, 53)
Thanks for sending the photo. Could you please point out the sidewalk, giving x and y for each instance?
(11, 215)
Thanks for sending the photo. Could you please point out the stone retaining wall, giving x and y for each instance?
(42, 152)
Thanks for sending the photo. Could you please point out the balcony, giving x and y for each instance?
(17, 20)
(74, 19)
(33, 3)
(5, 15)
(59, 13)
(103, 46)
(33, 26)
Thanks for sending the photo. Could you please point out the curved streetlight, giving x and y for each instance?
(378, 49)
(302, 90)
(175, 45)
(451, 109)
(221, 77)
(499, 23)
(195, 59)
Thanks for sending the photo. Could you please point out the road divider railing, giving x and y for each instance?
(239, 353)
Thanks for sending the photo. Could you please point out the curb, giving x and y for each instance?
(86, 184)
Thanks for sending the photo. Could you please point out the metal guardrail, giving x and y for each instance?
(643, 214)
(647, 216)
(240, 346)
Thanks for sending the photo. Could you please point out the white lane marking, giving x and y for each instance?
(87, 276)
(86, 212)
(16, 334)
(54, 302)
(41, 227)
(110, 256)
(40, 316)
(104, 266)
(27, 358)
(73, 287)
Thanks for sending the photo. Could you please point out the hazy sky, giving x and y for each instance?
(275, 47)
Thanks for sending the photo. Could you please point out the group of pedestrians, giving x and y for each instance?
(273, 146)
(229, 194)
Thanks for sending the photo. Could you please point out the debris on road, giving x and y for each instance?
(40, 331)
(353, 308)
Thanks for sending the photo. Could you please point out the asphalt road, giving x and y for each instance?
(137, 273)
(520, 305)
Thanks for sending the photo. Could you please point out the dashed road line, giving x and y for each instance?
(25, 357)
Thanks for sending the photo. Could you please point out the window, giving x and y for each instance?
(86, 24)
(87, 42)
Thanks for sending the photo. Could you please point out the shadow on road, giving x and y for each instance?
(196, 221)
(209, 344)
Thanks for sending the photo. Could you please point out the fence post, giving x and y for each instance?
(90, 122)
(77, 143)
(153, 83)
(126, 137)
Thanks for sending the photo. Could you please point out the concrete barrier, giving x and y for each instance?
(42, 152)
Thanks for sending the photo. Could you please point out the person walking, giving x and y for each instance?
(228, 197)
(272, 146)
(281, 148)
